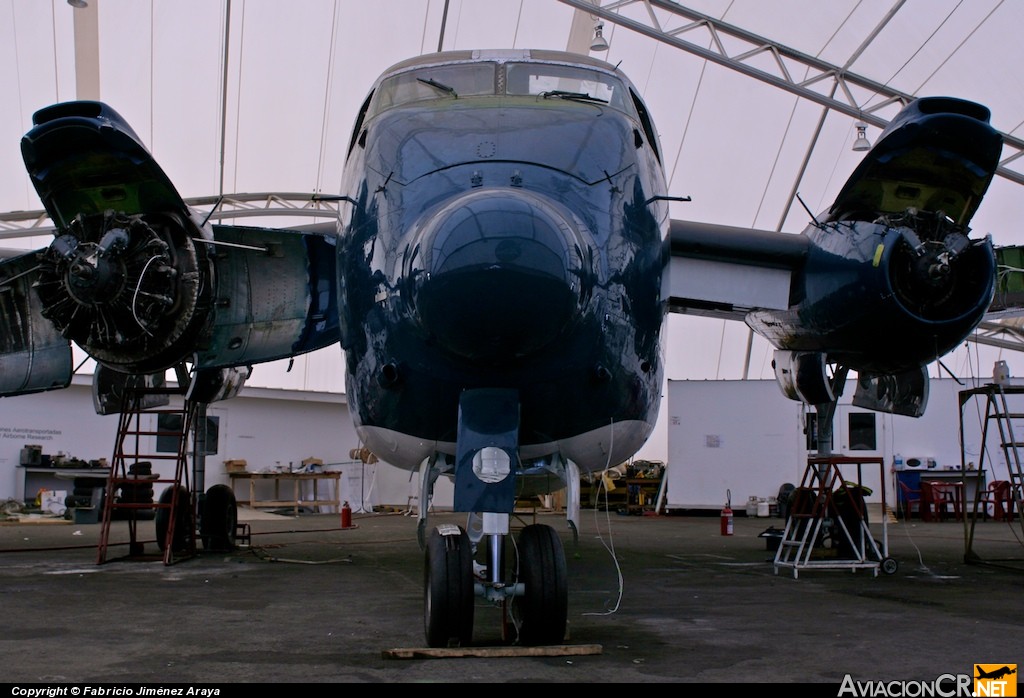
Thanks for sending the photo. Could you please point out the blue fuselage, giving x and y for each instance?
(509, 242)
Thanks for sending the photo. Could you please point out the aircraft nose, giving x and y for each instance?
(497, 275)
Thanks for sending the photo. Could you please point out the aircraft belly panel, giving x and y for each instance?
(591, 450)
(555, 402)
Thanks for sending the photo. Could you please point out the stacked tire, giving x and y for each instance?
(84, 492)
(140, 492)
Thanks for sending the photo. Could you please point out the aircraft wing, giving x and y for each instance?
(138, 280)
(725, 271)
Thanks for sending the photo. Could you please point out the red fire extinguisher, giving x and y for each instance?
(346, 516)
(727, 515)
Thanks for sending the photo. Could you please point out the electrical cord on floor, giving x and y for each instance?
(920, 559)
(608, 544)
(261, 554)
(259, 551)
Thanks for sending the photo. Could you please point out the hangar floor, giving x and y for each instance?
(309, 602)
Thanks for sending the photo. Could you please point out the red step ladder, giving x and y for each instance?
(130, 474)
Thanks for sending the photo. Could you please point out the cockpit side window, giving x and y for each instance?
(545, 78)
(646, 123)
(359, 122)
(436, 82)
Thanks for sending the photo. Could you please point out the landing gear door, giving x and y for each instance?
(487, 451)
(902, 393)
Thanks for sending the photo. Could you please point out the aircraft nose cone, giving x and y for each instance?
(497, 275)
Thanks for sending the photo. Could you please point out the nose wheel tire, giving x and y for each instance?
(543, 610)
(449, 599)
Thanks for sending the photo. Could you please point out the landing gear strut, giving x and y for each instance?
(489, 476)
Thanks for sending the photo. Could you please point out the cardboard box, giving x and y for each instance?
(52, 501)
(235, 466)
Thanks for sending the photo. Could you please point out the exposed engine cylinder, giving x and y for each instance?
(128, 289)
(936, 273)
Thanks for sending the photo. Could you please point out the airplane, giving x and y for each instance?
(996, 673)
(498, 280)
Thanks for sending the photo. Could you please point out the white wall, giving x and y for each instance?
(740, 436)
(745, 437)
(267, 428)
(729, 438)
(61, 421)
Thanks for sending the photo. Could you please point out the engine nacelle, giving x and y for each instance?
(132, 290)
(803, 376)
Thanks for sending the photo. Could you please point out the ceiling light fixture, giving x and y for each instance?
(862, 142)
(598, 44)
(78, 4)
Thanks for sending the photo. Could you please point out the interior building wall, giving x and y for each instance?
(739, 439)
(269, 429)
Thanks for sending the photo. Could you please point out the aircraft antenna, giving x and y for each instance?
(213, 209)
(814, 219)
(951, 374)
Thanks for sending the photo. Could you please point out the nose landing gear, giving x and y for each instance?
(534, 601)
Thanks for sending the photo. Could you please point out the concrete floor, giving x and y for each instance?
(662, 598)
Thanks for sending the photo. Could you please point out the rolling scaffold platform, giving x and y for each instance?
(827, 526)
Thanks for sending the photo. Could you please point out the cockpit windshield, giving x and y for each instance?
(536, 79)
(569, 82)
(443, 81)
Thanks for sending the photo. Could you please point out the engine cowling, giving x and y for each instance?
(132, 290)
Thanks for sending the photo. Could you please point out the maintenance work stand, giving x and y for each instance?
(827, 526)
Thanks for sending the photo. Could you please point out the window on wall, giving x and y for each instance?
(862, 431)
(168, 443)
